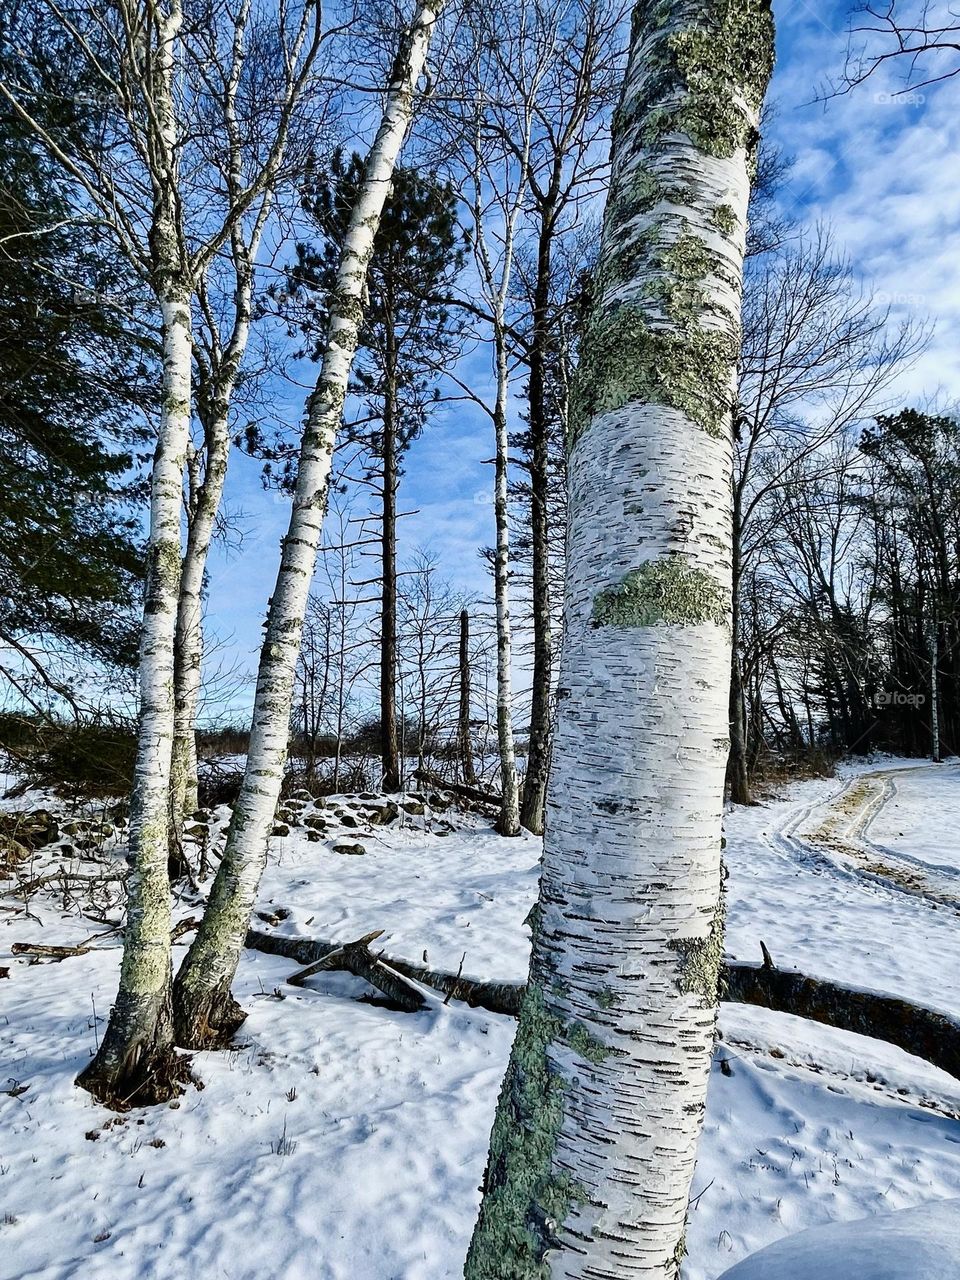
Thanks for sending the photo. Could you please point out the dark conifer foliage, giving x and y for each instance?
(75, 375)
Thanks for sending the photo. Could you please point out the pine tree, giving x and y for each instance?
(407, 336)
(75, 373)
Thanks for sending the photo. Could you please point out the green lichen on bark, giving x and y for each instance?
(626, 359)
(627, 356)
(725, 219)
(524, 1199)
(700, 962)
(706, 80)
(667, 591)
(163, 576)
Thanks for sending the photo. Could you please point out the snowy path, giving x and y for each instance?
(342, 1142)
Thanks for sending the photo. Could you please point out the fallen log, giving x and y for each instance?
(923, 1032)
(357, 958)
(457, 788)
(498, 997)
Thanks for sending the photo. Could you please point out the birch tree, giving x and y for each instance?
(136, 182)
(205, 1011)
(594, 1141)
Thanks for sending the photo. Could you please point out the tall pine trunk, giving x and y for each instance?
(738, 776)
(464, 741)
(538, 751)
(594, 1142)
(389, 748)
(509, 821)
(205, 1012)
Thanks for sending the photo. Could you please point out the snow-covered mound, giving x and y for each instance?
(914, 1244)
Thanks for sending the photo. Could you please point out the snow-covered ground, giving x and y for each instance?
(341, 1141)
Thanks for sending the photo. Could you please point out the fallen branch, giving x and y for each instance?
(61, 878)
(927, 1034)
(357, 958)
(42, 951)
(498, 997)
(457, 788)
(51, 951)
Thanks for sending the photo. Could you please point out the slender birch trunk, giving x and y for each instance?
(205, 1012)
(594, 1142)
(935, 689)
(189, 638)
(509, 822)
(216, 397)
(464, 744)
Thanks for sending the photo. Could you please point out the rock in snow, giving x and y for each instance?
(914, 1244)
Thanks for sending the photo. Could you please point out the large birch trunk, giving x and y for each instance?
(136, 1060)
(509, 822)
(205, 1012)
(594, 1142)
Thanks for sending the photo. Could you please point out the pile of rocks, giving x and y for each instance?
(329, 818)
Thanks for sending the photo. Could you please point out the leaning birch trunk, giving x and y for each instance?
(594, 1141)
(205, 1012)
(509, 822)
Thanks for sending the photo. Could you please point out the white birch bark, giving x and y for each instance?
(136, 1060)
(205, 1012)
(189, 634)
(220, 373)
(594, 1142)
(495, 252)
(935, 689)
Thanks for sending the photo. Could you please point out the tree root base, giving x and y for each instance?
(208, 1022)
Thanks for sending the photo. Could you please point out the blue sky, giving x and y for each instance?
(881, 170)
